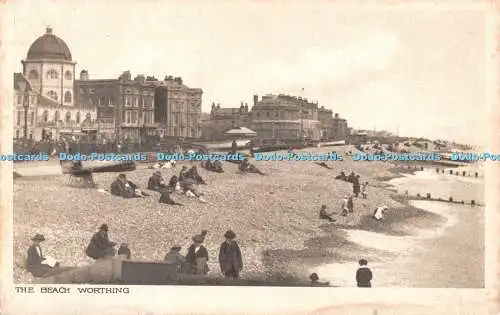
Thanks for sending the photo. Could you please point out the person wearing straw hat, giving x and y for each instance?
(37, 264)
(230, 259)
(197, 256)
(100, 246)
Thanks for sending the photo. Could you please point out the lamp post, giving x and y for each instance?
(26, 104)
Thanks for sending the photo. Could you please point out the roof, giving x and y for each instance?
(241, 131)
(49, 46)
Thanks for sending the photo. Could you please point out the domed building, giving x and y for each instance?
(49, 78)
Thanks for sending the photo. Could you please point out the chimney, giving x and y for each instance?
(84, 75)
(255, 99)
(336, 115)
(140, 78)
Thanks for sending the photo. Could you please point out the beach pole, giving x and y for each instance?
(451, 172)
(476, 174)
(428, 196)
(451, 199)
(437, 170)
(472, 202)
(463, 173)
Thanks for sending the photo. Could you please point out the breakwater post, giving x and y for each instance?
(437, 170)
(451, 199)
(421, 168)
(476, 174)
(463, 173)
(451, 172)
(428, 196)
(472, 202)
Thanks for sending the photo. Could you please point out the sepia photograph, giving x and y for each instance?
(247, 144)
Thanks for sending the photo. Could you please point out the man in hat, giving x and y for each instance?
(100, 246)
(197, 256)
(324, 215)
(37, 264)
(364, 275)
(351, 178)
(122, 188)
(356, 187)
(174, 257)
(156, 182)
(230, 259)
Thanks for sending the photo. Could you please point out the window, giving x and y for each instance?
(111, 101)
(277, 114)
(19, 99)
(67, 97)
(91, 91)
(134, 117)
(88, 117)
(33, 75)
(102, 101)
(78, 117)
(17, 134)
(258, 114)
(82, 91)
(127, 100)
(18, 118)
(68, 116)
(267, 114)
(52, 74)
(68, 75)
(52, 95)
(57, 116)
(32, 119)
(45, 116)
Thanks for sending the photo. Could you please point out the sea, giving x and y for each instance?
(448, 256)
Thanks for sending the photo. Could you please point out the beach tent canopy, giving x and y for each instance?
(241, 131)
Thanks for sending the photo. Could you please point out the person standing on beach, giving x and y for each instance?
(344, 206)
(350, 203)
(230, 259)
(364, 275)
(197, 256)
(364, 190)
(356, 186)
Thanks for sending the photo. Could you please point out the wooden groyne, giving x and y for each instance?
(428, 197)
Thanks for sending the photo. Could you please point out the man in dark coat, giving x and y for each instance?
(364, 275)
(122, 188)
(342, 176)
(351, 177)
(197, 257)
(230, 260)
(193, 174)
(100, 246)
(35, 263)
(356, 187)
(156, 182)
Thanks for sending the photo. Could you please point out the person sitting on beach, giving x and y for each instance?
(345, 209)
(351, 178)
(315, 281)
(246, 167)
(38, 264)
(364, 190)
(100, 247)
(197, 256)
(364, 275)
(124, 250)
(77, 169)
(323, 215)
(193, 174)
(122, 188)
(342, 176)
(213, 166)
(173, 183)
(156, 182)
(378, 214)
(174, 257)
(167, 199)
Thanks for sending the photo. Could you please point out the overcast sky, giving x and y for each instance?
(423, 70)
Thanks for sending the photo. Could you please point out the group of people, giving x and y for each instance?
(185, 182)
(100, 247)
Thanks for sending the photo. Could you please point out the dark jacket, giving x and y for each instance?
(156, 183)
(34, 262)
(192, 258)
(99, 246)
(174, 257)
(230, 257)
(167, 199)
(364, 277)
(119, 189)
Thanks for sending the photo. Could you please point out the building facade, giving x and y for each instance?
(177, 108)
(48, 76)
(223, 119)
(285, 117)
(340, 128)
(127, 102)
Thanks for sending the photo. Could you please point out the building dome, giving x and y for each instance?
(49, 46)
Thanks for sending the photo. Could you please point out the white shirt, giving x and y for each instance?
(196, 249)
(379, 213)
(39, 251)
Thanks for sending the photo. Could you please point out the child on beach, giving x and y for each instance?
(378, 214)
(364, 275)
(344, 206)
(364, 190)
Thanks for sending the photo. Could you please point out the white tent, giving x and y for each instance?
(241, 131)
